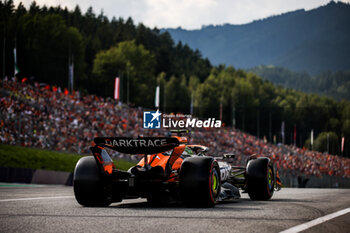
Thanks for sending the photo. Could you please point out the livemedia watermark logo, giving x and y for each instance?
(153, 120)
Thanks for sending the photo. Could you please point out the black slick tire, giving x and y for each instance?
(260, 179)
(200, 181)
(89, 188)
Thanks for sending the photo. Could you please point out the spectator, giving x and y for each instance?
(45, 117)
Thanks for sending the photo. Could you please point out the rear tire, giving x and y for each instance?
(200, 181)
(260, 179)
(89, 188)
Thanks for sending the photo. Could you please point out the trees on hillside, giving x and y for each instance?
(260, 108)
(44, 44)
(134, 65)
(177, 95)
(333, 84)
(48, 39)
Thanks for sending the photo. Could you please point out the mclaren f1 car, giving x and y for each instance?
(170, 170)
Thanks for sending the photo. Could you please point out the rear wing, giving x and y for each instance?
(144, 145)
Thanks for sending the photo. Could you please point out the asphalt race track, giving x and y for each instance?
(39, 208)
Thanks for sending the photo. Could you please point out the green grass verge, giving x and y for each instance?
(24, 157)
(123, 164)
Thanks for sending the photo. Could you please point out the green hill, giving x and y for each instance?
(48, 39)
(332, 84)
(313, 41)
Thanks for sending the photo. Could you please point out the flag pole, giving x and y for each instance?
(164, 98)
(71, 73)
(16, 70)
(128, 90)
(221, 110)
(156, 100)
(258, 123)
(191, 107)
(3, 55)
(327, 142)
(282, 132)
(116, 88)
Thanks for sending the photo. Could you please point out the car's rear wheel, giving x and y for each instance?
(260, 179)
(200, 181)
(89, 189)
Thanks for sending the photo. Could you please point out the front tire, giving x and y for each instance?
(200, 181)
(260, 179)
(89, 188)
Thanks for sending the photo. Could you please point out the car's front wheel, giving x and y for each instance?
(260, 179)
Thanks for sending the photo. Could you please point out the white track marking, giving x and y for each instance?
(35, 198)
(316, 221)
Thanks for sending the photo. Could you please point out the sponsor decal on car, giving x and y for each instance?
(136, 142)
(140, 145)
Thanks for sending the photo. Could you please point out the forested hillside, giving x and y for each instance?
(259, 107)
(313, 41)
(332, 84)
(48, 39)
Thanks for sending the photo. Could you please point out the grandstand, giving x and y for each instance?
(44, 116)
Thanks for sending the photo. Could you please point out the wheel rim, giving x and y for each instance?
(214, 182)
(270, 178)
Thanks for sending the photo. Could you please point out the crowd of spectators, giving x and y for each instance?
(43, 116)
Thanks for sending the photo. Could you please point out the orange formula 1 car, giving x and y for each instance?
(169, 171)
